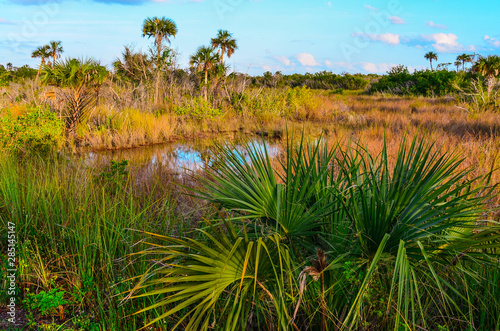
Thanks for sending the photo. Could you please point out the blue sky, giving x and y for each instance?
(289, 36)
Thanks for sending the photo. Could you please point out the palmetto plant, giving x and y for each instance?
(160, 29)
(431, 56)
(204, 60)
(76, 80)
(41, 52)
(226, 43)
(393, 242)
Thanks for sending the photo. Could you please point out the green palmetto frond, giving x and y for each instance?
(402, 238)
(287, 202)
(225, 280)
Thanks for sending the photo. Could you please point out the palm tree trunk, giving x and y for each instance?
(40, 69)
(206, 81)
(431, 65)
(158, 69)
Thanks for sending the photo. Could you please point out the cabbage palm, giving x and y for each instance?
(226, 43)
(489, 67)
(160, 29)
(76, 79)
(41, 52)
(431, 56)
(204, 60)
(55, 50)
(464, 58)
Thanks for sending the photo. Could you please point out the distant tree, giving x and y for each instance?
(458, 63)
(489, 67)
(10, 67)
(76, 79)
(226, 44)
(55, 50)
(160, 29)
(43, 53)
(135, 66)
(204, 59)
(431, 56)
(463, 58)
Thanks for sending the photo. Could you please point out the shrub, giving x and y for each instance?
(199, 109)
(37, 131)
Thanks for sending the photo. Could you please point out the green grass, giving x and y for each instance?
(74, 227)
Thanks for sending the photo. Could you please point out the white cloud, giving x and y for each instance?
(329, 3)
(371, 8)
(446, 42)
(377, 67)
(307, 60)
(386, 38)
(282, 59)
(396, 20)
(436, 26)
(492, 41)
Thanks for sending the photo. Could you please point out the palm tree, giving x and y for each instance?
(55, 50)
(226, 43)
(489, 67)
(464, 58)
(76, 80)
(41, 52)
(458, 63)
(204, 59)
(160, 29)
(431, 56)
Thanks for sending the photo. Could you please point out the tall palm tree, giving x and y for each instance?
(431, 56)
(55, 50)
(41, 52)
(226, 43)
(204, 59)
(464, 58)
(489, 67)
(160, 29)
(458, 63)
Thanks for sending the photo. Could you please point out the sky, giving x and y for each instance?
(294, 36)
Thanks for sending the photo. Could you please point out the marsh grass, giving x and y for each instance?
(75, 227)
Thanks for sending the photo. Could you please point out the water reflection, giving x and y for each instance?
(177, 156)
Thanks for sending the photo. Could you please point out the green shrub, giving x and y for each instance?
(199, 109)
(38, 131)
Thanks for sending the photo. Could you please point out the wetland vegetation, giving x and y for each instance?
(146, 196)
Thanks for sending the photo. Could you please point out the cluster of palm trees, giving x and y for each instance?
(461, 59)
(205, 59)
(208, 58)
(52, 50)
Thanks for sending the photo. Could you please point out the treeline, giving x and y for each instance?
(10, 73)
(325, 80)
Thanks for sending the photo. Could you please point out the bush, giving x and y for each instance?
(427, 83)
(38, 131)
(199, 109)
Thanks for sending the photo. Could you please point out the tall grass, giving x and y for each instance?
(74, 227)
